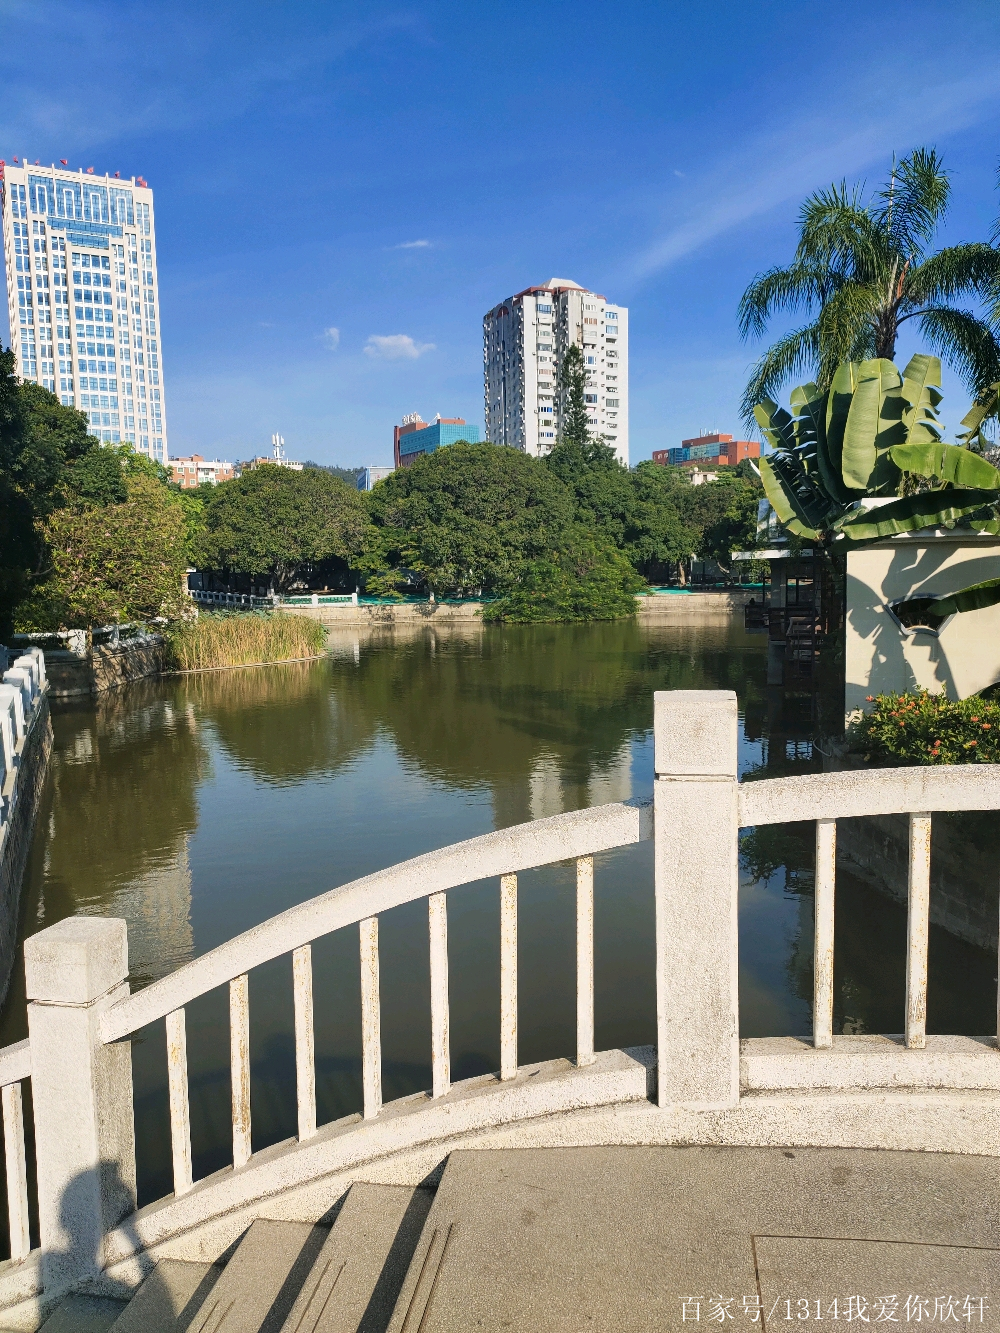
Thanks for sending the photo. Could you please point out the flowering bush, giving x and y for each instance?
(925, 728)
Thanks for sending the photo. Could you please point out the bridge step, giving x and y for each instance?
(358, 1274)
(286, 1276)
(169, 1297)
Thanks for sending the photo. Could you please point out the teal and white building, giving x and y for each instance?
(83, 296)
(525, 339)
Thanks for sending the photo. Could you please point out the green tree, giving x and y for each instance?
(39, 440)
(111, 563)
(662, 531)
(573, 382)
(862, 269)
(601, 486)
(275, 522)
(726, 512)
(585, 578)
(465, 519)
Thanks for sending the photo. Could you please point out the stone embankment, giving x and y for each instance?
(81, 666)
(25, 746)
(680, 607)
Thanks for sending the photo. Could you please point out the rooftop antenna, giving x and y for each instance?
(278, 445)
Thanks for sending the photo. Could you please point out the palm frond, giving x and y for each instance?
(835, 231)
(914, 202)
(794, 354)
(968, 344)
(792, 288)
(847, 328)
(955, 271)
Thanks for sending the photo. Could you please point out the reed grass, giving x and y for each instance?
(232, 638)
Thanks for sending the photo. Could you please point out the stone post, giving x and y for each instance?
(81, 1094)
(695, 830)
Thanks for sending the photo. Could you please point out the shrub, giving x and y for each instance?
(226, 639)
(925, 728)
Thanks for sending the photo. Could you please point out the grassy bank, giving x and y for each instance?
(231, 639)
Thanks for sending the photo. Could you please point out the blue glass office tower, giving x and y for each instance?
(83, 296)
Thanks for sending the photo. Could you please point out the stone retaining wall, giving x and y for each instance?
(965, 878)
(658, 607)
(104, 667)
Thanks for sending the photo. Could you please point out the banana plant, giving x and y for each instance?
(860, 440)
(876, 434)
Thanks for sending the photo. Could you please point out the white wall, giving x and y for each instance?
(882, 657)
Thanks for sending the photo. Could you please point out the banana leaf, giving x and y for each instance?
(948, 462)
(928, 509)
(922, 391)
(811, 404)
(776, 425)
(974, 598)
(987, 405)
(871, 422)
(783, 499)
(845, 381)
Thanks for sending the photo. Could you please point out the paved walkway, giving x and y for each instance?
(637, 1239)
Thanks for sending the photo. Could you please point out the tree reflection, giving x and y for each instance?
(285, 723)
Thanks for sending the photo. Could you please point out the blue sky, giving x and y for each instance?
(389, 172)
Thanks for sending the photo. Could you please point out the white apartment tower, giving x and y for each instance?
(524, 341)
(83, 296)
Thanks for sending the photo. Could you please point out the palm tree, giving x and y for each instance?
(862, 268)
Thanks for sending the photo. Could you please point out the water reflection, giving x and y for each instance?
(197, 806)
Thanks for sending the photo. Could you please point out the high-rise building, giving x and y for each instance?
(524, 341)
(83, 296)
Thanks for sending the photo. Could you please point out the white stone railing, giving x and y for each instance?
(244, 601)
(81, 1014)
(24, 683)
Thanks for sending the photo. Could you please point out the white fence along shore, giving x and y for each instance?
(701, 1084)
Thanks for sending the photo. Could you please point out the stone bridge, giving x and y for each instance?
(768, 1179)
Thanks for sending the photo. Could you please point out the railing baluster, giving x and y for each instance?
(585, 960)
(239, 1063)
(17, 1173)
(918, 912)
(508, 976)
(823, 913)
(180, 1114)
(305, 1041)
(437, 923)
(371, 1018)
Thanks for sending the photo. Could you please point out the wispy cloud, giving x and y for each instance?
(412, 245)
(774, 169)
(331, 337)
(395, 347)
(221, 76)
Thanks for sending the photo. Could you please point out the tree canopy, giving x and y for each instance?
(278, 523)
(466, 517)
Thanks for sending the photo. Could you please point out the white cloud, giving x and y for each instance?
(778, 168)
(395, 347)
(331, 337)
(412, 245)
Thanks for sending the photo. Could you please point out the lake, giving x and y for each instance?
(195, 807)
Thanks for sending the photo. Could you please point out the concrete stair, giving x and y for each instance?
(620, 1240)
